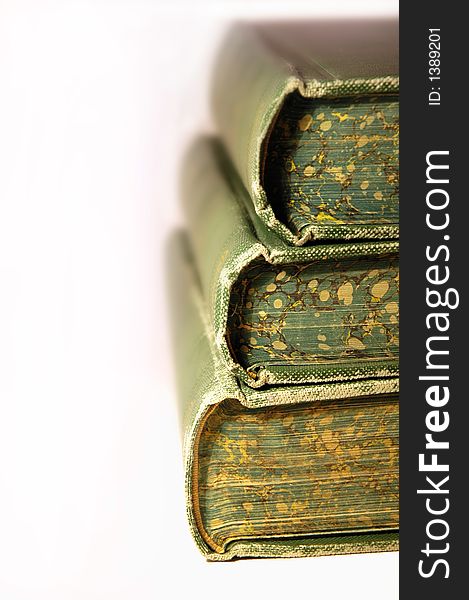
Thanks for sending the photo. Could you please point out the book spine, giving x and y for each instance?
(249, 86)
(200, 382)
(222, 238)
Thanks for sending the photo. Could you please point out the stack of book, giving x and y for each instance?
(285, 287)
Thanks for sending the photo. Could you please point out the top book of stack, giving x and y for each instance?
(310, 119)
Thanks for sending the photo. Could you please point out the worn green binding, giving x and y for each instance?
(346, 294)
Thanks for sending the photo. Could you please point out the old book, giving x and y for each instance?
(309, 115)
(294, 470)
(284, 314)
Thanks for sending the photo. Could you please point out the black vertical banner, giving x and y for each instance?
(434, 154)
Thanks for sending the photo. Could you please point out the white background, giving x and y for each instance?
(97, 102)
